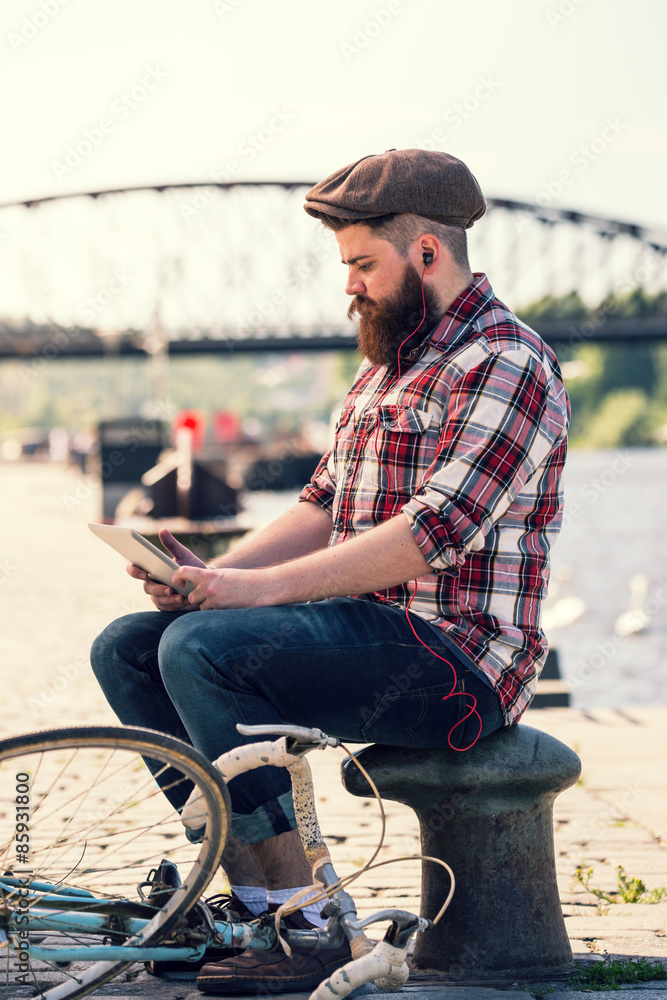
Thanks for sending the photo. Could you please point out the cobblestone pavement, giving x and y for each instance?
(616, 815)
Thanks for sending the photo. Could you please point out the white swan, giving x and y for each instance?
(635, 619)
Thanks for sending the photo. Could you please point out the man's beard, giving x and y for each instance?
(384, 325)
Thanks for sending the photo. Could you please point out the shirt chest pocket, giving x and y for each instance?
(399, 449)
(345, 433)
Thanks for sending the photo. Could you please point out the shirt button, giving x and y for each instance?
(349, 470)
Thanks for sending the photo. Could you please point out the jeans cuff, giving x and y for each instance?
(268, 820)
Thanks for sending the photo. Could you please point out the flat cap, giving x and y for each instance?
(420, 181)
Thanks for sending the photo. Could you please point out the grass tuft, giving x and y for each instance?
(611, 973)
(629, 890)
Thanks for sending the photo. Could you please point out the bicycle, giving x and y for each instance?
(88, 820)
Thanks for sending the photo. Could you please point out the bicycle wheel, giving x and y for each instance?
(84, 813)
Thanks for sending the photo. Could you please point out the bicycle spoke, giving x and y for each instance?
(75, 838)
(99, 822)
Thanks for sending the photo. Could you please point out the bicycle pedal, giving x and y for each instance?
(162, 881)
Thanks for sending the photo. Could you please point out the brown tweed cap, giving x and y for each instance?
(423, 182)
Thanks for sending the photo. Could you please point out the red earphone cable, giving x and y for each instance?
(472, 709)
(377, 429)
(423, 319)
(452, 694)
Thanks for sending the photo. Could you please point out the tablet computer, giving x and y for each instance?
(141, 552)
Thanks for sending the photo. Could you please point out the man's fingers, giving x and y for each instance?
(192, 574)
(159, 589)
(171, 603)
(136, 572)
(151, 586)
(181, 553)
(164, 597)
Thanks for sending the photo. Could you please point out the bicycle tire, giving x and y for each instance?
(133, 742)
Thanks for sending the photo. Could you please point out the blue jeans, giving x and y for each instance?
(350, 667)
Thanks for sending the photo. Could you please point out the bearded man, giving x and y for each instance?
(398, 601)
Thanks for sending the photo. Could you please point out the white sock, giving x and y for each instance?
(254, 897)
(311, 913)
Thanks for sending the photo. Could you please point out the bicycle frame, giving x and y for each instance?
(54, 908)
(56, 911)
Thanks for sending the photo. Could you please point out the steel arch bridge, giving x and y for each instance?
(222, 267)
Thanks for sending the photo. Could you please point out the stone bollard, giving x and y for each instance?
(487, 812)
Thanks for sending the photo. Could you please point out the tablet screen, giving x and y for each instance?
(141, 552)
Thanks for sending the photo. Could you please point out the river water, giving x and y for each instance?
(613, 542)
(59, 586)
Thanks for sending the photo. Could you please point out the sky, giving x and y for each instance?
(558, 100)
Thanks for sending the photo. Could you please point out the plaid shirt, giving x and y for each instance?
(471, 440)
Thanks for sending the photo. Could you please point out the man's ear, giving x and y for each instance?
(428, 249)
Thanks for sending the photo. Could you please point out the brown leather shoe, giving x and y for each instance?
(255, 971)
(222, 908)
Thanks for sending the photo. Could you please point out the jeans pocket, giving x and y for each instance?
(414, 718)
(479, 712)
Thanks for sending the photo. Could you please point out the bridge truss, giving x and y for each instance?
(192, 268)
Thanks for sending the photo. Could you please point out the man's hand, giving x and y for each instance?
(163, 597)
(228, 588)
(382, 557)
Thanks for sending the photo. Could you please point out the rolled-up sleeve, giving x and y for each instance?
(321, 489)
(501, 420)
